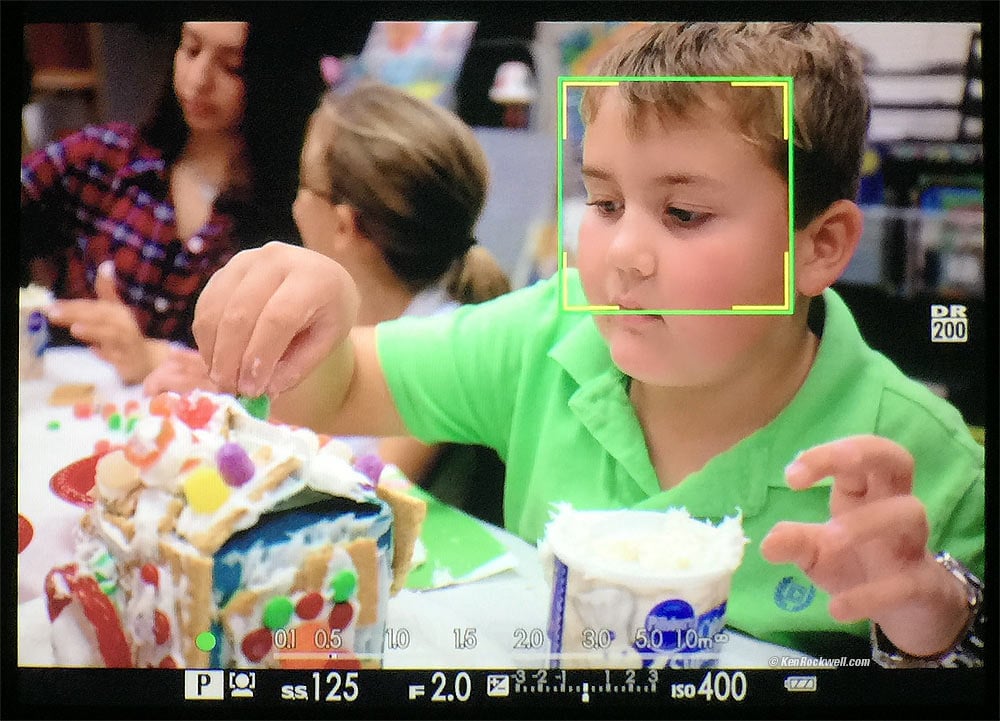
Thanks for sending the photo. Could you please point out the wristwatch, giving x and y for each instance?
(966, 653)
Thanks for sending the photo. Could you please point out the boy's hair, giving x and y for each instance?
(417, 177)
(831, 100)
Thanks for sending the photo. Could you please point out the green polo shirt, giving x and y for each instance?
(539, 386)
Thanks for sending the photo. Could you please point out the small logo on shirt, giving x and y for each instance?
(789, 595)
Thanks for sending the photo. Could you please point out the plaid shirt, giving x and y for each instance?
(105, 193)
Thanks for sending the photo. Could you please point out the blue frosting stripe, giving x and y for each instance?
(274, 529)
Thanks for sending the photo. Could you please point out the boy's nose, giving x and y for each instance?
(629, 251)
(201, 72)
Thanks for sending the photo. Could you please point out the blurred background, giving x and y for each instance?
(922, 191)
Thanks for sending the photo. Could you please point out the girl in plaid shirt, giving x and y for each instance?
(129, 223)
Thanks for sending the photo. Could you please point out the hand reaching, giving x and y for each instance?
(108, 326)
(270, 316)
(872, 556)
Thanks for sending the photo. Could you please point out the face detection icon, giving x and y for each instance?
(771, 264)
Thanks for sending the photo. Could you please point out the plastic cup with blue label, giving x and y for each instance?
(638, 589)
(33, 331)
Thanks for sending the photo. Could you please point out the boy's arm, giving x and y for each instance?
(278, 320)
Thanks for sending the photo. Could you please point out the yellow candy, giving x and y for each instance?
(205, 490)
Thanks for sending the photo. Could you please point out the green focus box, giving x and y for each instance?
(788, 102)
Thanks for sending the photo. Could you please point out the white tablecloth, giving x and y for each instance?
(421, 626)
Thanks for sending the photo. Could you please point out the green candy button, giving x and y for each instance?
(259, 407)
(278, 612)
(343, 585)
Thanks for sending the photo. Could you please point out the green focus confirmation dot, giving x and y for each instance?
(259, 407)
(343, 585)
(278, 612)
(205, 641)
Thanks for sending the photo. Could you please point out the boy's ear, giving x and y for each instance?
(824, 248)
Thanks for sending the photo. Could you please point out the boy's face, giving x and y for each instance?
(687, 216)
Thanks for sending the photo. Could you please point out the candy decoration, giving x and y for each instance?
(256, 644)
(139, 454)
(259, 407)
(163, 404)
(115, 476)
(131, 407)
(108, 410)
(168, 662)
(343, 585)
(83, 410)
(101, 613)
(150, 574)
(341, 615)
(309, 606)
(115, 421)
(195, 415)
(130, 424)
(74, 482)
(370, 465)
(24, 532)
(278, 612)
(205, 490)
(234, 464)
(52, 425)
(161, 627)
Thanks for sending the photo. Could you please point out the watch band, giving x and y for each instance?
(967, 651)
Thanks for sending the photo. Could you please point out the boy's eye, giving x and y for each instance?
(687, 217)
(606, 207)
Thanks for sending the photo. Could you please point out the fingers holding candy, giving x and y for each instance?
(270, 315)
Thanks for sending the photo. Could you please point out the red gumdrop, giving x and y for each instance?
(256, 644)
(309, 606)
(108, 410)
(130, 407)
(150, 574)
(161, 627)
(341, 615)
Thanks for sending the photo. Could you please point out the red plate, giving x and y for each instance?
(74, 482)
(24, 532)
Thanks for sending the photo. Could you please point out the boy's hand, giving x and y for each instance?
(108, 326)
(872, 556)
(270, 316)
(182, 370)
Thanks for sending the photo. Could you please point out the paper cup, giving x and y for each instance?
(633, 589)
(33, 331)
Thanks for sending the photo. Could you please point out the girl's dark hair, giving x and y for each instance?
(283, 85)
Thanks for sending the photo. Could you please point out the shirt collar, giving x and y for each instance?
(834, 401)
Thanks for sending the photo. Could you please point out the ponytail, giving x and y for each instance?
(476, 277)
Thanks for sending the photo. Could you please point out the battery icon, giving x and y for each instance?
(800, 683)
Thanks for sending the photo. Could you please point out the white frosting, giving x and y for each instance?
(645, 544)
(34, 296)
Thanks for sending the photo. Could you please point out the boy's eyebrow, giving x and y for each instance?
(234, 50)
(598, 173)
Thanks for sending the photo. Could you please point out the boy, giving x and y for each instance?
(687, 191)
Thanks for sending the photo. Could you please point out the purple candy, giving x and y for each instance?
(234, 464)
(370, 465)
